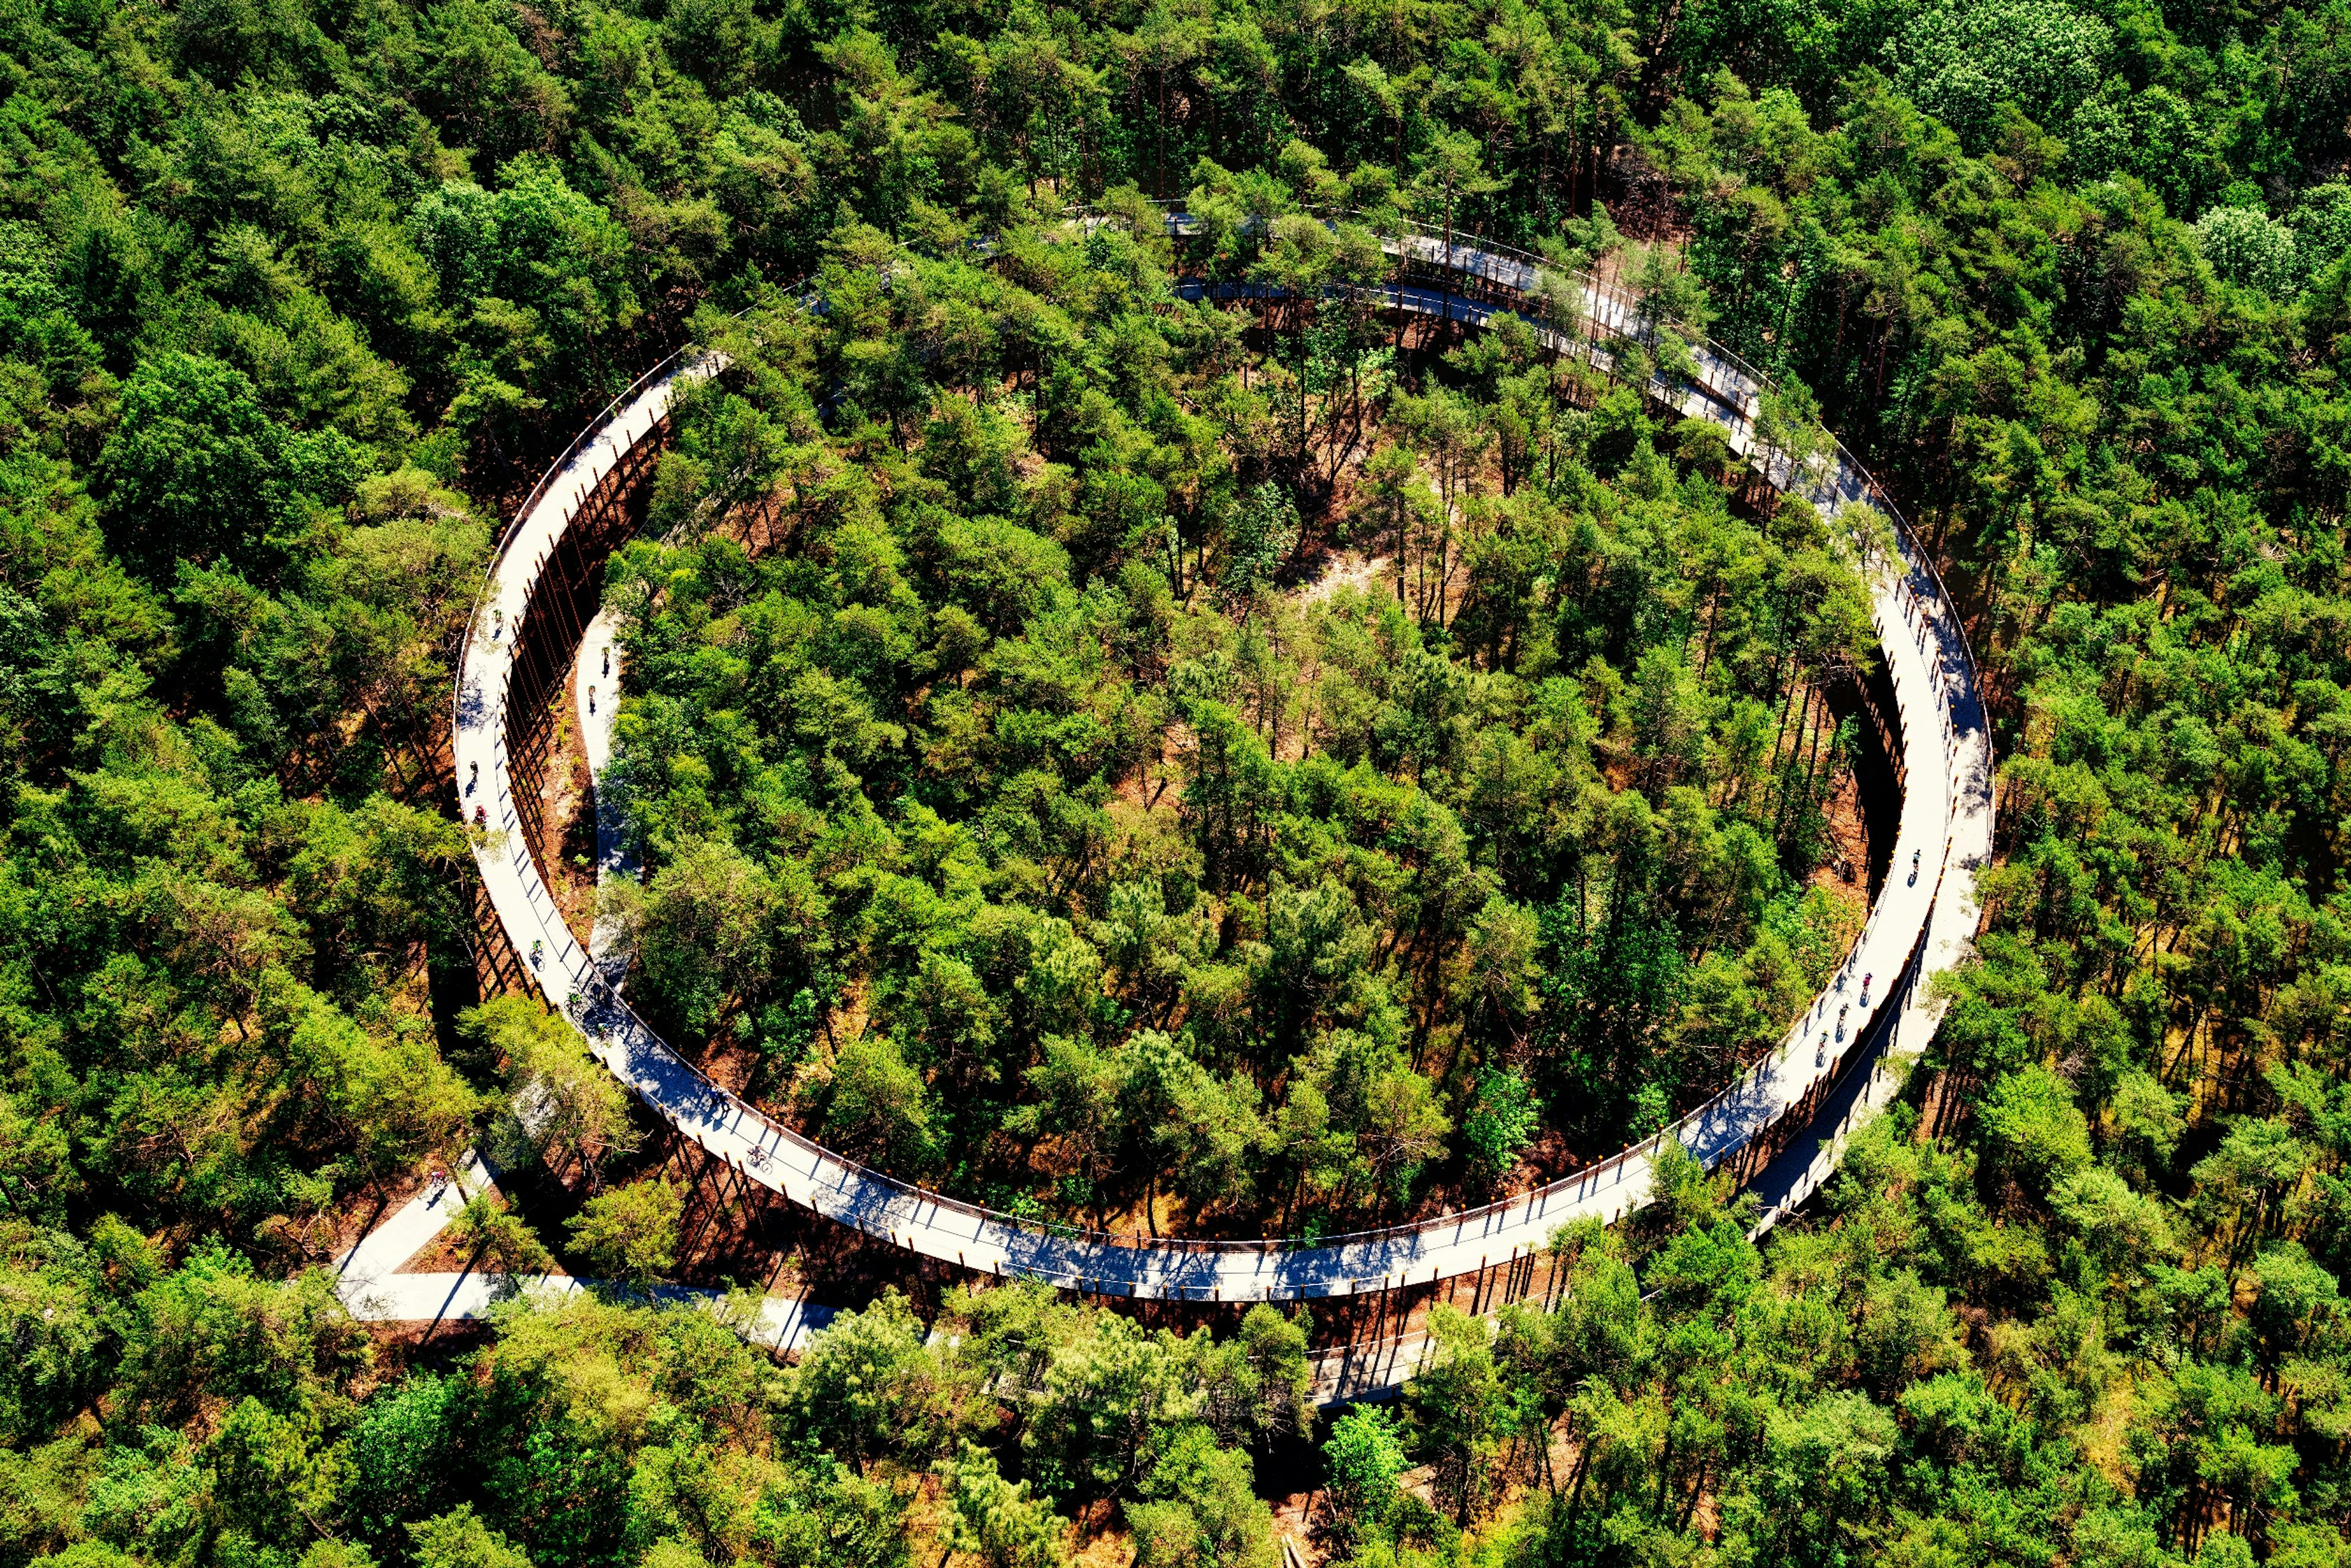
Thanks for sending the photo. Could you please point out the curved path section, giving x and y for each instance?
(1918, 927)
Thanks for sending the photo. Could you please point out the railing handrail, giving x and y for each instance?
(597, 423)
(1593, 283)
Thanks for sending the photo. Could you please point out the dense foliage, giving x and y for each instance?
(954, 578)
(1111, 863)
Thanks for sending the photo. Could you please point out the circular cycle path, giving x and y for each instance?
(1916, 928)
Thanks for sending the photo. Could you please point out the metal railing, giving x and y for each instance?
(597, 425)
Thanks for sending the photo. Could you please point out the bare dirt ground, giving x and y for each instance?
(1350, 568)
(566, 797)
(1846, 870)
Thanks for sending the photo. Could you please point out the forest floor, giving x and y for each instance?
(567, 803)
(1845, 868)
(1351, 569)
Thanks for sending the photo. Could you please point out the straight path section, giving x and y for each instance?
(413, 1225)
(374, 1289)
(439, 1298)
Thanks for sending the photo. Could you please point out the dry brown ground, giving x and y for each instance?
(566, 793)
(361, 1210)
(1847, 869)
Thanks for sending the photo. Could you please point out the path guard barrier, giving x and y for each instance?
(543, 583)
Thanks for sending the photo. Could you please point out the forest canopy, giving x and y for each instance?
(1074, 840)
(1225, 763)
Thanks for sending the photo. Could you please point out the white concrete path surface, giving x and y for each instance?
(1946, 818)
(372, 1286)
(412, 1228)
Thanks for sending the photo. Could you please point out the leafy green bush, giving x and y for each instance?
(1501, 1121)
